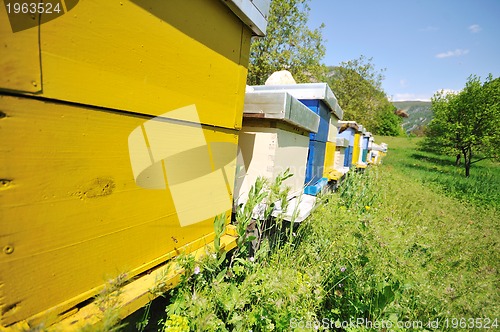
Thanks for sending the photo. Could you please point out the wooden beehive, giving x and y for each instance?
(274, 138)
(119, 136)
(365, 147)
(348, 130)
(330, 172)
(320, 99)
(340, 155)
(357, 154)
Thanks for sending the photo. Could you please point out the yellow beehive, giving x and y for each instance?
(357, 155)
(330, 172)
(119, 123)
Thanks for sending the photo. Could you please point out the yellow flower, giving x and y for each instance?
(177, 323)
(367, 207)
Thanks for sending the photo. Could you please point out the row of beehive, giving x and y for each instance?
(119, 127)
(299, 127)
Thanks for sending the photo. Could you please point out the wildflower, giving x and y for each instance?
(342, 269)
(341, 285)
(197, 270)
(176, 323)
(294, 234)
(252, 259)
(367, 207)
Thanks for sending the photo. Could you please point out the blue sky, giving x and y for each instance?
(425, 45)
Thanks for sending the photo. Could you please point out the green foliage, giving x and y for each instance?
(358, 87)
(219, 230)
(467, 124)
(244, 216)
(289, 44)
(388, 123)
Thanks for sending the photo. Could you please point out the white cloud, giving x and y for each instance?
(419, 96)
(457, 52)
(475, 28)
(409, 96)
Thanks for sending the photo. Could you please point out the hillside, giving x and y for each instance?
(420, 114)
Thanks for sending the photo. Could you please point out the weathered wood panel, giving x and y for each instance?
(149, 57)
(19, 56)
(73, 215)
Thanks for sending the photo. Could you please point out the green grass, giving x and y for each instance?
(438, 234)
(409, 243)
(438, 172)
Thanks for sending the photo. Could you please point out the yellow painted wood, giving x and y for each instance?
(329, 169)
(356, 149)
(149, 57)
(71, 212)
(19, 57)
(137, 293)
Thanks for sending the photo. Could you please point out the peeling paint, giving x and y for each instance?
(98, 187)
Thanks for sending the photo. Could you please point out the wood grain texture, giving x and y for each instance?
(19, 57)
(70, 209)
(149, 57)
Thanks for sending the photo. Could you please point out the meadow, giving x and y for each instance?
(410, 244)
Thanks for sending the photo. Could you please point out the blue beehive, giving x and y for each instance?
(348, 130)
(320, 108)
(319, 98)
(315, 162)
(366, 142)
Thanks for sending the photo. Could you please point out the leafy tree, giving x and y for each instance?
(289, 44)
(388, 123)
(467, 124)
(358, 87)
(440, 131)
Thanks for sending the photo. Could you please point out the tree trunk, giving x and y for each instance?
(457, 161)
(467, 157)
